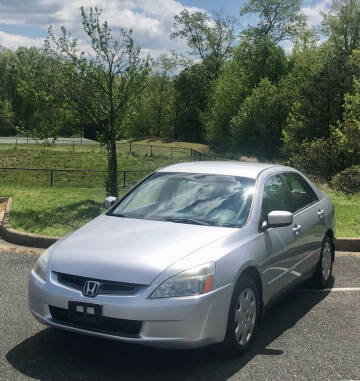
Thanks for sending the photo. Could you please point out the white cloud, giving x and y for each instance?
(313, 12)
(13, 41)
(151, 20)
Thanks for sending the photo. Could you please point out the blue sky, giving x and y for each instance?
(25, 22)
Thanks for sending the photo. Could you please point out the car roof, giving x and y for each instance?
(230, 168)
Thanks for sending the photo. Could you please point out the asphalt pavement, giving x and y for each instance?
(305, 336)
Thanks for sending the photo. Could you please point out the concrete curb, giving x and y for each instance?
(20, 238)
(348, 244)
(34, 240)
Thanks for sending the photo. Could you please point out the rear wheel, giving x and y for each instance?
(323, 272)
(243, 317)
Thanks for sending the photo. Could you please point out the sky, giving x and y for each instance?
(25, 22)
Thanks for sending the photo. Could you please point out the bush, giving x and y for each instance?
(319, 157)
(348, 180)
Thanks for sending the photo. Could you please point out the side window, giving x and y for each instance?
(301, 192)
(275, 196)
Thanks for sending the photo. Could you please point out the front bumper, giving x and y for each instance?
(187, 322)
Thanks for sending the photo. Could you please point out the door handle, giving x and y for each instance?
(320, 213)
(297, 229)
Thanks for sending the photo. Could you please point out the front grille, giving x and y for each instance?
(106, 287)
(111, 326)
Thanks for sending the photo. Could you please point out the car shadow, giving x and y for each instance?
(59, 355)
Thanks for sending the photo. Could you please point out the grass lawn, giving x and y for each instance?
(57, 211)
(75, 197)
(29, 156)
(78, 197)
(32, 156)
(53, 211)
(160, 147)
(167, 143)
(347, 212)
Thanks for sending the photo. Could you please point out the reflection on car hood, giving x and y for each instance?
(129, 250)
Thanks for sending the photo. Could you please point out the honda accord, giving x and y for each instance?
(191, 256)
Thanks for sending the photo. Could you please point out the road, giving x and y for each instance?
(14, 140)
(306, 336)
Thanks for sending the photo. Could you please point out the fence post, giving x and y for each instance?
(27, 140)
(15, 142)
(73, 146)
(124, 179)
(51, 178)
(171, 152)
(150, 150)
(191, 152)
(129, 147)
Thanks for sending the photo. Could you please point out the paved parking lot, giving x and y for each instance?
(306, 336)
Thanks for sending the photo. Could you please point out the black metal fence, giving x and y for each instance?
(77, 177)
(44, 177)
(86, 145)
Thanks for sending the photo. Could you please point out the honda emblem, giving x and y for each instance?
(91, 288)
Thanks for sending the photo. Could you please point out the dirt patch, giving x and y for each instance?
(3, 206)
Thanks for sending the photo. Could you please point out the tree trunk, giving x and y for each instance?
(111, 183)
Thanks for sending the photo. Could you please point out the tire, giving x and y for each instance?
(242, 323)
(322, 276)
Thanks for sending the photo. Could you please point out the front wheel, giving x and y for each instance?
(324, 269)
(243, 317)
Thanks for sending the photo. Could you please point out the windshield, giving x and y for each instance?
(193, 198)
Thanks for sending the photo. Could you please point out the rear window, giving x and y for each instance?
(301, 192)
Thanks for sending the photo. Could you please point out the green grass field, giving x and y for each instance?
(30, 156)
(57, 211)
(144, 147)
(77, 198)
(53, 211)
(347, 212)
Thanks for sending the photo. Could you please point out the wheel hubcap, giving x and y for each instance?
(326, 261)
(245, 316)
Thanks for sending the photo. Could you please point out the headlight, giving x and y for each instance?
(41, 264)
(195, 281)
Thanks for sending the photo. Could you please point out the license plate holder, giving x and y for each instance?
(88, 313)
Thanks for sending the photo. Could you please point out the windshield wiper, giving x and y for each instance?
(121, 215)
(185, 220)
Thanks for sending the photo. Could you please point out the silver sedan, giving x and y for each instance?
(190, 256)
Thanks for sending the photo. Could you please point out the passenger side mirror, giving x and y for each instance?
(277, 219)
(109, 201)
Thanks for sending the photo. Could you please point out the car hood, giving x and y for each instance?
(129, 250)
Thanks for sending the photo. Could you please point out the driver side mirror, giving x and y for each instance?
(277, 219)
(109, 201)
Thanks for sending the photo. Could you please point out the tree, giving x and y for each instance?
(103, 85)
(351, 121)
(278, 20)
(6, 118)
(256, 129)
(250, 64)
(212, 40)
(38, 110)
(7, 115)
(342, 24)
(260, 60)
(229, 92)
(192, 88)
(155, 114)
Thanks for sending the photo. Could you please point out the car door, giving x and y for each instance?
(278, 242)
(309, 222)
